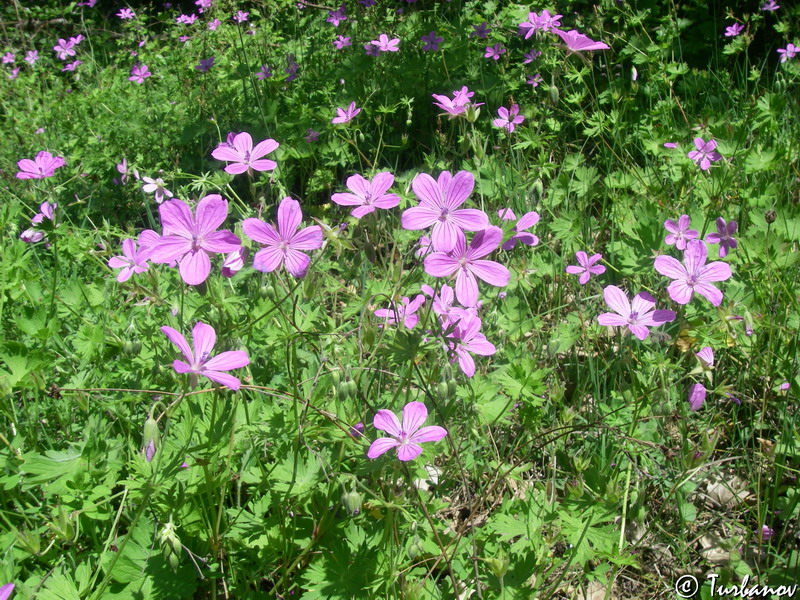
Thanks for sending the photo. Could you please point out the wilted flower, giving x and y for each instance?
(481, 31)
(638, 316)
(5, 591)
(234, 262)
(531, 56)
(72, 66)
(706, 357)
(765, 533)
(465, 339)
(264, 73)
(406, 437)
(312, 136)
(30, 236)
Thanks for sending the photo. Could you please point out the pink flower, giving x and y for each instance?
(494, 52)
(458, 105)
(406, 437)
(335, 17)
(705, 154)
(286, 245)
(5, 591)
(341, 42)
(637, 316)
(723, 236)
(384, 44)
(131, 261)
(139, 73)
(64, 49)
(443, 304)
(46, 211)
(577, 42)
(765, 532)
(31, 56)
(679, 232)
(264, 73)
(424, 247)
(536, 23)
(697, 396)
(368, 196)
(243, 156)
(770, 5)
(14, 73)
(789, 52)
(670, 145)
(189, 239)
(439, 202)
(693, 275)
(234, 262)
(311, 136)
(345, 116)
(706, 356)
(44, 165)
(527, 221)
(72, 66)
(31, 236)
(126, 13)
(534, 80)
(509, 118)
(8, 58)
(466, 339)
(404, 312)
(465, 261)
(200, 361)
(734, 30)
(587, 267)
(212, 25)
(156, 187)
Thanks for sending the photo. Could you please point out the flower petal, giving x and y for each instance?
(414, 415)
(440, 264)
(309, 238)
(408, 451)
(386, 420)
(466, 288)
(428, 191)
(177, 338)
(261, 232)
(297, 262)
(419, 217)
(670, 267)
(709, 292)
(221, 242)
(176, 217)
(268, 259)
(223, 379)
(680, 292)
(695, 255)
(289, 217)
(194, 267)
(380, 446)
(211, 211)
(491, 272)
(263, 148)
(203, 337)
(458, 189)
(617, 300)
(225, 361)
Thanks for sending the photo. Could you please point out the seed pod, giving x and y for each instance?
(554, 93)
(170, 545)
(352, 388)
(337, 378)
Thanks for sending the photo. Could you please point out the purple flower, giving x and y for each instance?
(64, 49)
(509, 118)
(291, 67)
(213, 25)
(31, 56)
(577, 42)
(367, 3)
(586, 267)
(432, 41)
(72, 66)
(31, 236)
(404, 312)
(466, 339)
(784, 386)
(186, 19)
(770, 6)
(200, 361)
(205, 64)
(189, 239)
(384, 44)
(156, 187)
(132, 261)
(14, 73)
(126, 13)
(679, 232)
(545, 23)
(312, 136)
(202, 5)
(406, 437)
(345, 116)
(234, 262)
(285, 245)
(466, 262)
(723, 236)
(765, 532)
(534, 80)
(494, 52)
(335, 17)
(8, 58)
(341, 42)
(371, 50)
(44, 165)
(734, 30)
(139, 73)
(693, 275)
(637, 316)
(242, 156)
(439, 202)
(697, 396)
(264, 73)
(46, 211)
(5, 591)
(241, 16)
(458, 105)
(424, 247)
(706, 356)
(368, 196)
(670, 145)
(527, 221)
(531, 56)
(789, 52)
(705, 154)
(443, 305)
(481, 31)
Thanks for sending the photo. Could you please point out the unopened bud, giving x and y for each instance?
(770, 216)
(152, 437)
(352, 502)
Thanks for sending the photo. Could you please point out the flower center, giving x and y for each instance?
(197, 243)
(283, 247)
(632, 317)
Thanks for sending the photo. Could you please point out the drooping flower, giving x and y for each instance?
(126, 13)
(546, 22)
(466, 262)
(157, 187)
(46, 211)
(139, 73)
(439, 202)
(577, 42)
(14, 73)
(527, 221)
(705, 154)
(342, 42)
(406, 437)
(494, 52)
(637, 316)
(366, 196)
(509, 118)
(384, 44)
(432, 41)
(132, 261)
(697, 396)
(63, 49)
(5, 591)
(200, 361)
(242, 156)
(734, 30)
(679, 233)
(345, 116)
(670, 145)
(285, 245)
(694, 275)
(586, 266)
(189, 239)
(404, 312)
(706, 356)
(31, 236)
(723, 236)
(44, 165)
(205, 64)
(789, 52)
(465, 339)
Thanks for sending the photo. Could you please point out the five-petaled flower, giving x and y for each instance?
(734, 30)
(189, 239)
(432, 41)
(526, 221)
(285, 245)
(637, 316)
(345, 115)
(546, 22)
(705, 154)
(406, 437)
(63, 49)
(200, 361)
(789, 52)
(509, 118)
(139, 73)
(44, 165)
(459, 104)
(384, 44)
(464, 338)
(205, 64)
(241, 16)
(404, 312)
(694, 275)
(366, 196)
(679, 233)
(586, 266)
(723, 236)
(242, 156)
(439, 202)
(157, 187)
(466, 262)
(341, 42)
(132, 261)
(126, 13)
(494, 52)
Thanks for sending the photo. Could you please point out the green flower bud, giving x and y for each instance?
(452, 387)
(554, 93)
(442, 391)
(415, 548)
(152, 438)
(499, 566)
(352, 502)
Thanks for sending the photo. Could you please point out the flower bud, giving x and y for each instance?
(152, 437)
(770, 216)
(170, 545)
(416, 548)
(553, 90)
(499, 566)
(352, 502)
(442, 391)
